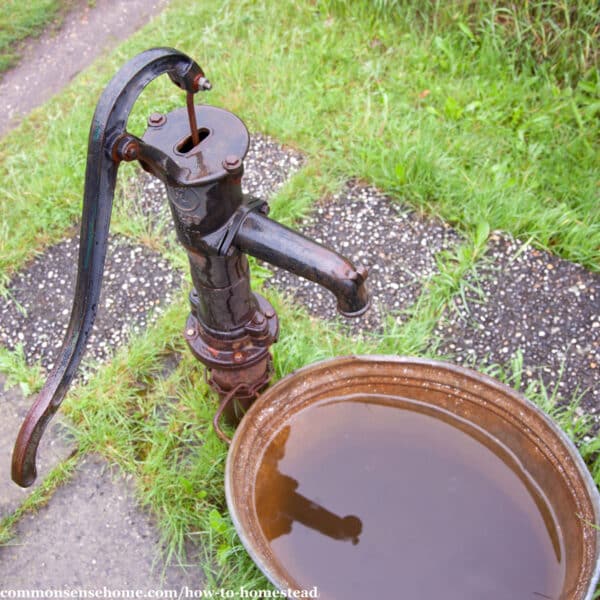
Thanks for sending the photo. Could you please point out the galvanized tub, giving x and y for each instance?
(543, 449)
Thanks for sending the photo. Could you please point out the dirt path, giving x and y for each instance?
(51, 61)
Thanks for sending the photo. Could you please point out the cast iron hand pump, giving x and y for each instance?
(197, 152)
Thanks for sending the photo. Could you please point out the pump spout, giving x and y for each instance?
(280, 246)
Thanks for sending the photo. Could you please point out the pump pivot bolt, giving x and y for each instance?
(204, 85)
(126, 149)
(156, 119)
(232, 163)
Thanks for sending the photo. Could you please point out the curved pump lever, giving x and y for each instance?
(108, 144)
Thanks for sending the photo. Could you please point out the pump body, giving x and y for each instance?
(198, 153)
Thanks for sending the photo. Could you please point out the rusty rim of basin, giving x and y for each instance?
(544, 450)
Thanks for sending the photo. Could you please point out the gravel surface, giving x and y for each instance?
(52, 60)
(268, 165)
(535, 302)
(396, 244)
(137, 284)
(91, 535)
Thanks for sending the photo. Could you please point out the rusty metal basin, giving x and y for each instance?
(543, 450)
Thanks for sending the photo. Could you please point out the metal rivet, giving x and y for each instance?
(232, 162)
(156, 119)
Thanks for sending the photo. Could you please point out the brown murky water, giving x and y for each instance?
(373, 497)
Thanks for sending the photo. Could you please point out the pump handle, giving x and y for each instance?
(105, 151)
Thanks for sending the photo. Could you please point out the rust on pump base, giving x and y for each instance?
(198, 153)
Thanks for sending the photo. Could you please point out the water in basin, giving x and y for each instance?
(371, 496)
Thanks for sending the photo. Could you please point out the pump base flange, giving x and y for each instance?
(238, 358)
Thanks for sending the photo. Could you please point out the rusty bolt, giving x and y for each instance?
(238, 356)
(359, 275)
(232, 162)
(130, 150)
(156, 119)
(363, 272)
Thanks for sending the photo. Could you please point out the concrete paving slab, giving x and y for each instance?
(91, 535)
(137, 284)
(56, 446)
(396, 244)
(532, 301)
(52, 60)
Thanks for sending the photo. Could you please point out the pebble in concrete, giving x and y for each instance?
(268, 165)
(532, 301)
(137, 284)
(91, 535)
(55, 446)
(396, 244)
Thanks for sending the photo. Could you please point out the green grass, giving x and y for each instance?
(14, 367)
(549, 36)
(21, 20)
(454, 108)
